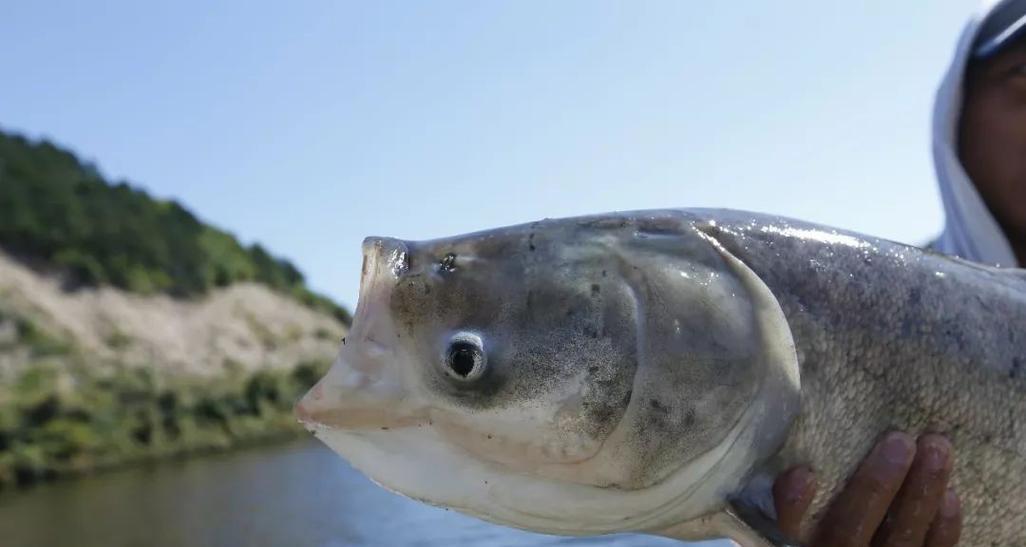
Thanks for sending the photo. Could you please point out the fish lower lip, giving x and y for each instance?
(368, 421)
(357, 418)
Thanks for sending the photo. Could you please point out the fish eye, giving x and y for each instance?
(465, 358)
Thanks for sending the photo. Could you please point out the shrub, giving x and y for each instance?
(130, 414)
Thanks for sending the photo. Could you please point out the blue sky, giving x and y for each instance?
(309, 125)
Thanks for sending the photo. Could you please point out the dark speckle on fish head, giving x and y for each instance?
(501, 322)
(579, 367)
(557, 336)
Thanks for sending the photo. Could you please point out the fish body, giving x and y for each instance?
(649, 371)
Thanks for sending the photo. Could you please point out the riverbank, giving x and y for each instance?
(66, 417)
(95, 378)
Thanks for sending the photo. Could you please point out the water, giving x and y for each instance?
(294, 495)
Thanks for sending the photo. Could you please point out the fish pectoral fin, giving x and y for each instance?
(763, 530)
(729, 524)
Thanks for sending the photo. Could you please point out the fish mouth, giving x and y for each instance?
(353, 418)
(364, 389)
(359, 397)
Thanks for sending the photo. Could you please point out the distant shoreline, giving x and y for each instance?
(131, 416)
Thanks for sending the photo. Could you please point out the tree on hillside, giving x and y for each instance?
(60, 211)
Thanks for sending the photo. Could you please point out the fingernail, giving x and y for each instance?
(897, 449)
(935, 453)
(802, 478)
(950, 507)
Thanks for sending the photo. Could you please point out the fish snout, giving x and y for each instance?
(357, 395)
(304, 410)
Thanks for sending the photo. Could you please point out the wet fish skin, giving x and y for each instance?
(892, 337)
(699, 324)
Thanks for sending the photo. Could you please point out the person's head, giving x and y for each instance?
(992, 134)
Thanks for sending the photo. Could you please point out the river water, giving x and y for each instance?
(292, 495)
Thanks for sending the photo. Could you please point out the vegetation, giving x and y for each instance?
(60, 420)
(59, 211)
(64, 411)
(27, 334)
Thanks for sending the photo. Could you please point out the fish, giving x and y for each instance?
(653, 371)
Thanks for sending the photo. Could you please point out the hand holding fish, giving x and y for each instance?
(898, 497)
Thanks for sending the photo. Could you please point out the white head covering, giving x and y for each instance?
(970, 230)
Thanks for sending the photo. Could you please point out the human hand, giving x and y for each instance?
(898, 497)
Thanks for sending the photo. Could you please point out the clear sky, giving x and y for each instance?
(309, 125)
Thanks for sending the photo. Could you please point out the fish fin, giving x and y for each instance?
(758, 493)
(752, 518)
(723, 524)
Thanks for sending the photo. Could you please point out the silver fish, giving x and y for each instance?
(653, 371)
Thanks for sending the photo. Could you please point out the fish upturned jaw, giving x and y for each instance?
(364, 389)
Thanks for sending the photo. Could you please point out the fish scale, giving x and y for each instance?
(896, 338)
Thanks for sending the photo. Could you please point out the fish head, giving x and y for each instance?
(542, 376)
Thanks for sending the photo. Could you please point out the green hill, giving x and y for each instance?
(95, 379)
(59, 211)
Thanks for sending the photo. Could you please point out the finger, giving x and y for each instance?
(858, 510)
(947, 526)
(792, 493)
(913, 510)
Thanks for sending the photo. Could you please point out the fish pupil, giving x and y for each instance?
(463, 358)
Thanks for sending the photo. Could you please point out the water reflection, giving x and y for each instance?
(296, 495)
